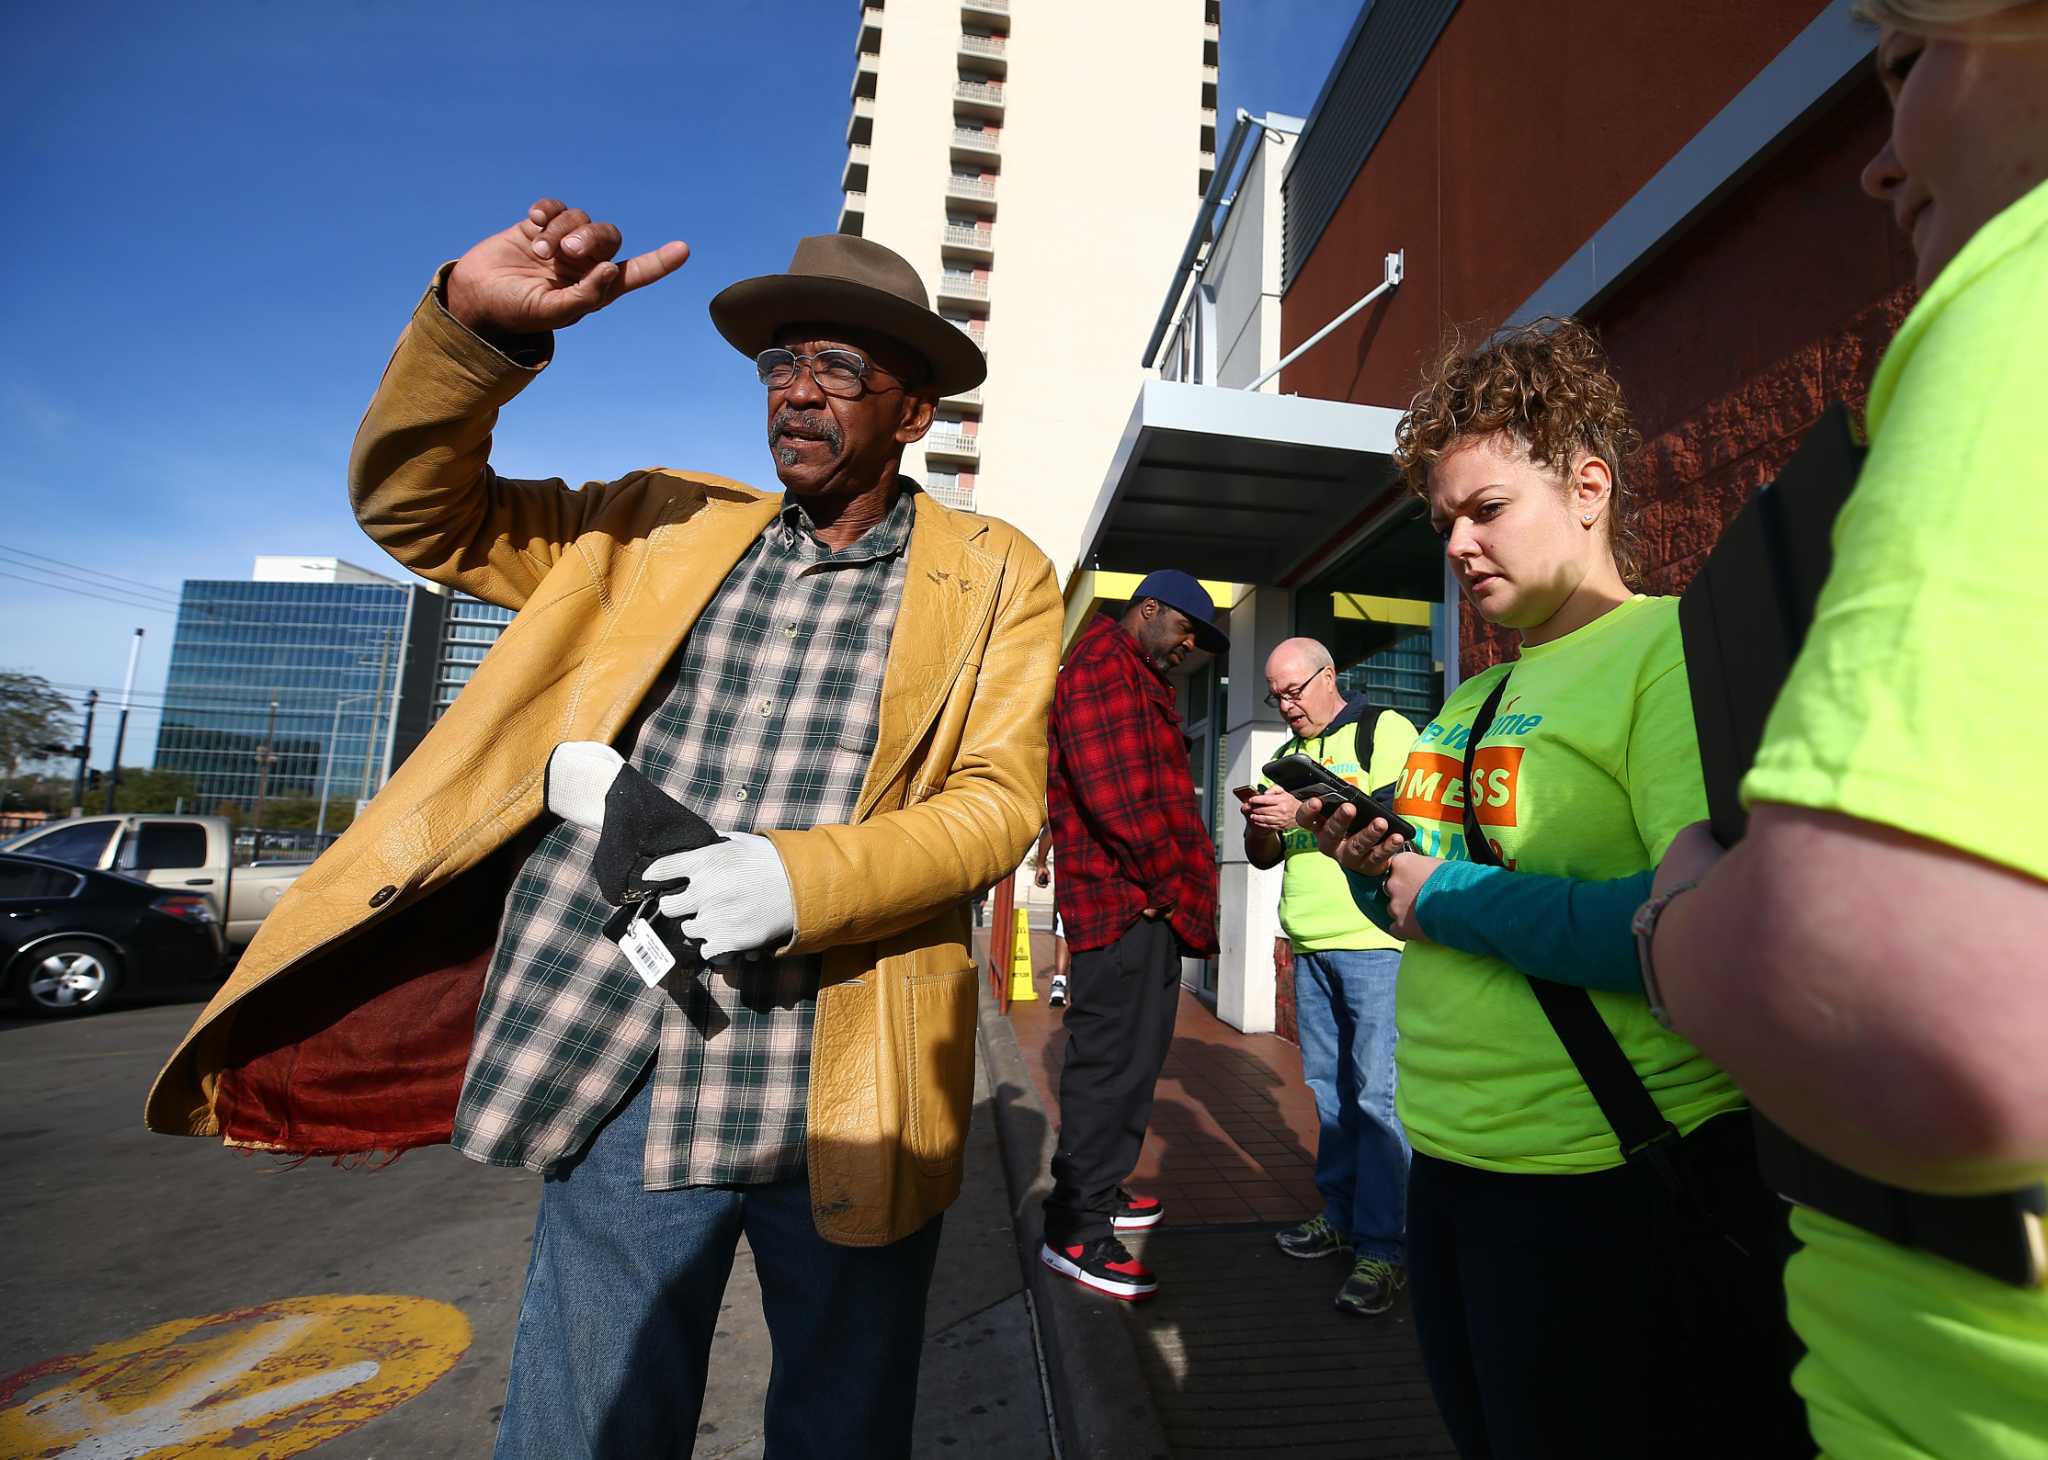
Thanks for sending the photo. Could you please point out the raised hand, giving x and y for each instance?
(547, 271)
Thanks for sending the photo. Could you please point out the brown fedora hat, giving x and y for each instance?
(837, 278)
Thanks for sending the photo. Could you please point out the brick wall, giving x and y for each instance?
(1284, 1023)
(1732, 343)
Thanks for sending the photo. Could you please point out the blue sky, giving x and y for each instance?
(224, 212)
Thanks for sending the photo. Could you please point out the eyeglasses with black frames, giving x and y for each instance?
(1293, 696)
(839, 373)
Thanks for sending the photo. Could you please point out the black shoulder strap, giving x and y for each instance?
(1367, 741)
(1616, 1088)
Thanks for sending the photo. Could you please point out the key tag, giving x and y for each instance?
(643, 947)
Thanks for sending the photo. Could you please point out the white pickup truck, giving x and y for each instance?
(181, 852)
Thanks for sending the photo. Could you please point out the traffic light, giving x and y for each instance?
(92, 780)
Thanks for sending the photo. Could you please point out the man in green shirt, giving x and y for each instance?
(1344, 971)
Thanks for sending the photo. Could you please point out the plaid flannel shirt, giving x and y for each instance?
(1124, 821)
(769, 722)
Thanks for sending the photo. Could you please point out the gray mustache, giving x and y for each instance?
(823, 427)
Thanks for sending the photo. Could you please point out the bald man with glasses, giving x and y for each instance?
(1344, 971)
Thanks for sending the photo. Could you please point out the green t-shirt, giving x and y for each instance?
(1589, 770)
(1317, 911)
(1913, 669)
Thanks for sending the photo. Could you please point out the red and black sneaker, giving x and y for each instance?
(1103, 1265)
(1136, 1212)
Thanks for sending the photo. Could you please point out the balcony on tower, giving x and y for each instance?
(982, 99)
(950, 487)
(975, 329)
(860, 127)
(853, 178)
(951, 440)
(965, 238)
(983, 54)
(962, 286)
(971, 193)
(867, 73)
(977, 143)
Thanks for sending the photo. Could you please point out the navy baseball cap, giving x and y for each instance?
(1183, 591)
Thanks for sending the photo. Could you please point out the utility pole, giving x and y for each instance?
(327, 762)
(376, 710)
(264, 756)
(83, 752)
(121, 725)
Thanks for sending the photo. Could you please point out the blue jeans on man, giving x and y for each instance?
(1344, 1015)
(622, 1300)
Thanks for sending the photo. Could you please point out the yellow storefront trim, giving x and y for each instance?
(1093, 591)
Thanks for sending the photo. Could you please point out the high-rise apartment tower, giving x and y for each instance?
(1040, 163)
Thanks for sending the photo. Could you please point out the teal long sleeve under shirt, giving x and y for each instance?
(1557, 928)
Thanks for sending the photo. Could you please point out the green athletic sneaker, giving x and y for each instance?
(1312, 1239)
(1370, 1288)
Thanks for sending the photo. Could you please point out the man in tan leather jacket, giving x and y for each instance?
(848, 680)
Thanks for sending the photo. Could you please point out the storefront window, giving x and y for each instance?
(1380, 611)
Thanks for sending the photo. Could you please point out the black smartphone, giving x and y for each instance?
(1306, 779)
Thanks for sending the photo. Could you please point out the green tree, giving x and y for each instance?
(32, 716)
(287, 813)
(145, 790)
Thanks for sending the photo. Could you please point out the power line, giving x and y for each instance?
(145, 595)
(80, 592)
(320, 700)
(119, 580)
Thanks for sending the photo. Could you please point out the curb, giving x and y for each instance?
(1102, 1407)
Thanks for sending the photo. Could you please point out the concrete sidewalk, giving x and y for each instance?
(980, 1392)
(1241, 1352)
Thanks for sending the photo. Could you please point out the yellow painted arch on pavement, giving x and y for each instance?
(273, 1380)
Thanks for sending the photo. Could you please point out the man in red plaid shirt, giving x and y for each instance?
(1136, 891)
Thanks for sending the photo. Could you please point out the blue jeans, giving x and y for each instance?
(1344, 1013)
(622, 1300)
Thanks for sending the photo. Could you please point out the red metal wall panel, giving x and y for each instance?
(1527, 128)
(1731, 343)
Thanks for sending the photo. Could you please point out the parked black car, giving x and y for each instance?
(73, 941)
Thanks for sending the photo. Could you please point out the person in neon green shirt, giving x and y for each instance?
(1344, 974)
(1541, 1261)
(1871, 960)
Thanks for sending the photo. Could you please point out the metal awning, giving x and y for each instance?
(1235, 484)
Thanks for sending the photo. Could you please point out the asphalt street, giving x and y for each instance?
(110, 1231)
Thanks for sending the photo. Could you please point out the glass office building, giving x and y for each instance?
(468, 629)
(307, 681)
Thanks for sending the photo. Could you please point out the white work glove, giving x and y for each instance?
(580, 774)
(738, 899)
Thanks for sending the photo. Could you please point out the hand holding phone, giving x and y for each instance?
(1269, 809)
(1310, 780)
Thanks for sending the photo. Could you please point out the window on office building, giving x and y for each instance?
(1380, 610)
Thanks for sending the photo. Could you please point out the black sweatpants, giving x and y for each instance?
(1121, 1002)
(1594, 1317)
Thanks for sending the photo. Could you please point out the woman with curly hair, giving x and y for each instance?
(1593, 1274)
(1869, 960)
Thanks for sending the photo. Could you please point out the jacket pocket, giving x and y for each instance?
(940, 1010)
